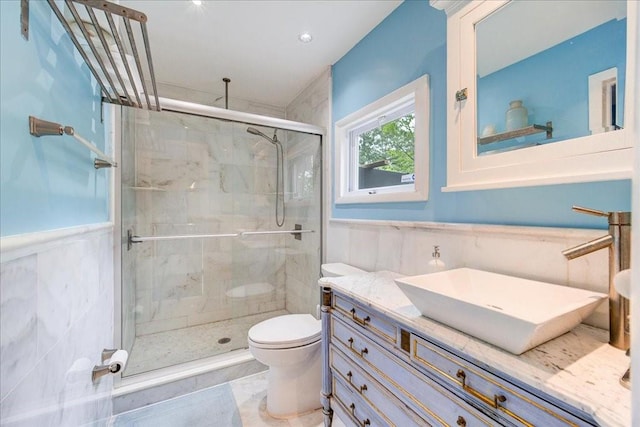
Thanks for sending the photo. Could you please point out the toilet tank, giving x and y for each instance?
(338, 269)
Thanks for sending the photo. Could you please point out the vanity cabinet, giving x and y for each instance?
(379, 372)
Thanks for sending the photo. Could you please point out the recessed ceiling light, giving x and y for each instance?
(197, 2)
(305, 37)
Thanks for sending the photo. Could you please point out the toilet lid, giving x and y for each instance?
(291, 330)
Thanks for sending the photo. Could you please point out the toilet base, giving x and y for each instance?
(294, 390)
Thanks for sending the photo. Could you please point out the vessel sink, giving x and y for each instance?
(512, 313)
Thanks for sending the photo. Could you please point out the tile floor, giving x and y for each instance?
(151, 352)
(239, 403)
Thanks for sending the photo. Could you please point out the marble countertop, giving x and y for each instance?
(579, 367)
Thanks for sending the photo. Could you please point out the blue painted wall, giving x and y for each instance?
(411, 42)
(47, 182)
(561, 98)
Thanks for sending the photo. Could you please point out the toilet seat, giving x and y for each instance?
(288, 331)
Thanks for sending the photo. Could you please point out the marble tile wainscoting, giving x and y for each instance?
(527, 252)
(56, 318)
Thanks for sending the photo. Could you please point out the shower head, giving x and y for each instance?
(255, 131)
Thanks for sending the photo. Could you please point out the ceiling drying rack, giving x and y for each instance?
(109, 44)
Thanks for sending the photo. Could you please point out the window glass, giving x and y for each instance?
(386, 153)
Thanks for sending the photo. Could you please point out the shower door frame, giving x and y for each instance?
(184, 107)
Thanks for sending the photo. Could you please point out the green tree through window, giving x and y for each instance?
(393, 142)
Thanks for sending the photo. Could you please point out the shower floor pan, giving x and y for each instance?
(164, 349)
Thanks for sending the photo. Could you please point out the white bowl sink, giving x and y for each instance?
(512, 313)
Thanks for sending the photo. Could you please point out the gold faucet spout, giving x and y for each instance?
(588, 247)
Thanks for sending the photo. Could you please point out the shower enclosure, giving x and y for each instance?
(221, 229)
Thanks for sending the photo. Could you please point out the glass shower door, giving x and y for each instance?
(208, 259)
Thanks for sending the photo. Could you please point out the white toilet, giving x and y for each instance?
(290, 346)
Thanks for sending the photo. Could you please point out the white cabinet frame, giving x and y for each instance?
(599, 157)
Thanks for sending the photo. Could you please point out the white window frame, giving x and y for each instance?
(416, 92)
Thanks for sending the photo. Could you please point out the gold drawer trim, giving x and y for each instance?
(347, 378)
(490, 402)
(365, 321)
(403, 366)
(351, 408)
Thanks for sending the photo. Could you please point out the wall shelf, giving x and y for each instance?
(529, 130)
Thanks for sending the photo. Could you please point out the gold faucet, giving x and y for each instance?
(618, 240)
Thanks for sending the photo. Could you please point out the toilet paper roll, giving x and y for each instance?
(118, 361)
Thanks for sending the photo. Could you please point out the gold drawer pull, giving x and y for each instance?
(360, 353)
(461, 421)
(353, 412)
(359, 320)
(497, 398)
(495, 403)
(360, 389)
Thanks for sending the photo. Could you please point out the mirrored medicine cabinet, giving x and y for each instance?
(537, 92)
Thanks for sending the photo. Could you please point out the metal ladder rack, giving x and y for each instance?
(111, 46)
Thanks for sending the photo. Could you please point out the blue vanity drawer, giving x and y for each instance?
(425, 397)
(360, 316)
(378, 398)
(354, 407)
(489, 392)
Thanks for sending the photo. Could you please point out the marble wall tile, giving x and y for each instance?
(64, 293)
(169, 308)
(362, 247)
(18, 321)
(177, 276)
(528, 252)
(311, 105)
(338, 243)
(68, 319)
(303, 260)
(390, 253)
(169, 207)
(180, 175)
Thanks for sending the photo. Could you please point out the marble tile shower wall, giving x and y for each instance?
(302, 261)
(54, 323)
(528, 252)
(302, 267)
(202, 176)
